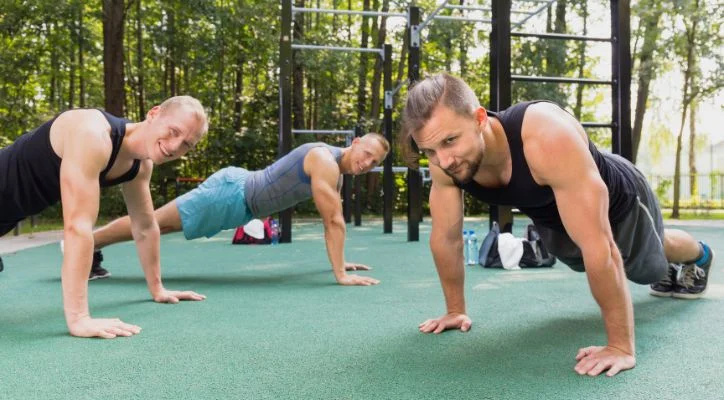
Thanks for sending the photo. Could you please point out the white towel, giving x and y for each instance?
(510, 249)
(255, 229)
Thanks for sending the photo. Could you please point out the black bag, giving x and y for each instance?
(535, 255)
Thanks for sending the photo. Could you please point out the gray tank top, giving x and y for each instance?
(284, 183)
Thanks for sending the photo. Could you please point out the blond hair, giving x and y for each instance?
(380, 139)
(189, 104)
(423, 98)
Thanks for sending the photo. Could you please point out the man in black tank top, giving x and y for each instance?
(594, 211)
(68, 159)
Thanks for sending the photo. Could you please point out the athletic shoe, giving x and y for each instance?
(97, 271)
(692, 281)
(665, 287)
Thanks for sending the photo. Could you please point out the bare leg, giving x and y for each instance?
(680, 246)
(119, 230)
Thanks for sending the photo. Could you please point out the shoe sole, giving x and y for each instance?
(94, 277)
(694, 296)
(661, 294)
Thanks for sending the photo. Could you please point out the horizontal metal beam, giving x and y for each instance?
(336, 48)
(561, 36)
(551, 79)
(596, 125)
(424, 171)
(484, 9)
(463, 19)
(322, 132)
(347, 12)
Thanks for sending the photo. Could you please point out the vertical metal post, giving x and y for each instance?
(414, 179)
(388, 178)
(500, 86)
(347, 193)
(285, 105)
(621, 76)
(357, 188)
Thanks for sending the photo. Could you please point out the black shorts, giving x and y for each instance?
(6, 227)
(639, 238)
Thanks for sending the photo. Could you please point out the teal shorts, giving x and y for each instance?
(217, 204)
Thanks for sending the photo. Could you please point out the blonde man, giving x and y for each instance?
(68, 159)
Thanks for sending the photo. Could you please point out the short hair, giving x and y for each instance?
(190, 104)
(423, 98)
(380, 139)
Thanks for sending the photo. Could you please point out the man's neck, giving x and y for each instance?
(132, 146)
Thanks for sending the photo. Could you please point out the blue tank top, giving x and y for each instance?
(284, 183)
(31, 170)
(538, 202)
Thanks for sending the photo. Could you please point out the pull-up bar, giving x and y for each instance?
(322, 132)
(336, 48)
(347, 12)
(561, 36)
(551, 79)
(462, 19)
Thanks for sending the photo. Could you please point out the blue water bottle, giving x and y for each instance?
(275, 232)
(465, 246)
(472, 249)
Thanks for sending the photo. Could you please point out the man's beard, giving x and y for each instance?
(469, 173)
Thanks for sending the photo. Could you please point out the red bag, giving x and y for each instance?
(241, 237)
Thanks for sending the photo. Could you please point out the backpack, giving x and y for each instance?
(241, 237)
(535, 254)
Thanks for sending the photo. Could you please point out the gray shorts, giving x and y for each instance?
(639, 237)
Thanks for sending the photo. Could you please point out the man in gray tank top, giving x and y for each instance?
(594, 211)
(232, 196)
(68, 159)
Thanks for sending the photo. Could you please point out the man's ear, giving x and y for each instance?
(153, 112)
(481, 116)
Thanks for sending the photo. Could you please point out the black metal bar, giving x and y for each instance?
(357, 188)
(388, 179)
(285, 105)
(596, 125)
(621, 76)
(414, 181)
(560, 36)
(553, 79)
(500, 85)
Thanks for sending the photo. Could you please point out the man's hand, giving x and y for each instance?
(105, 328)
(174, 296)
(352, 280)
(595, 359)
(348, 266)
(447, 321)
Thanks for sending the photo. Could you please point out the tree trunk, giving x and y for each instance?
(377, 74)
(646, 74)
(685, 102)
(81, 65)
(693, 179)
(238, 92)
(139, 60)
(463, 49)
(581, 62)
(171, 51)
(362, 72)
(298, 71)
(113, 17)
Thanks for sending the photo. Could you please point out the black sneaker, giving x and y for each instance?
(2, 267)
(97, 271)
(665, 287)
(692, 281)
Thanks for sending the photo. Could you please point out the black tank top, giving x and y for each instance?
(30, 169)
(538, 202)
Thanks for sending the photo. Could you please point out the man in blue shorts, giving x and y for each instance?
(233, 196)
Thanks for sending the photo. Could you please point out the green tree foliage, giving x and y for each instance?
(225, 52)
